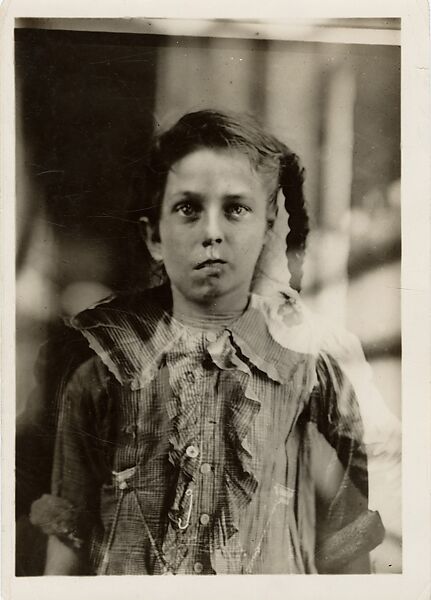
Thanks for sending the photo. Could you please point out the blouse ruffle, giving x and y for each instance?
(240, 478)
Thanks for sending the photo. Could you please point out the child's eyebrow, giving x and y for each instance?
(186, 195)
(236, 196)
(197, 196)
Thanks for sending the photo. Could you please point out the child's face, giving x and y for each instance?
(213, 225)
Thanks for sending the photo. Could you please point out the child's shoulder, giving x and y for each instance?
(148, 304)
(293, 325)
(127, 331)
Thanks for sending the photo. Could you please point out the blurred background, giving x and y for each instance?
(89, 94)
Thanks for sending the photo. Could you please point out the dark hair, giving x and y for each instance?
(268, 156)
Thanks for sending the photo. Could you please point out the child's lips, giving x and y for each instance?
(210, 263)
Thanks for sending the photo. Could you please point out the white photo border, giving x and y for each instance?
(414, 583)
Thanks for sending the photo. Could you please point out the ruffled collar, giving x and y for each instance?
(131, 333)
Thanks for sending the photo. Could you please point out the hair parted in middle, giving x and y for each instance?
(268, 156)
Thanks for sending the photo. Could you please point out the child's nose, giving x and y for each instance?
(213, 229)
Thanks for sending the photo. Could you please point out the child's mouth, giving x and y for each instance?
(210, 263)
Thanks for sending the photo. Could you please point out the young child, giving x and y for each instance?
(208, 433)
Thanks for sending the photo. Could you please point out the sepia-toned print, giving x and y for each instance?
(208, 342)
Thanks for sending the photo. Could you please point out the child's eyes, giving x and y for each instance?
(191, 211)
(237, 210)
(187, 209)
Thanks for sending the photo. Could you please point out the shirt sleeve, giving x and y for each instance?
(381, 438)
(81, 457)
(382, 429)
(345, 529)
(57, 359)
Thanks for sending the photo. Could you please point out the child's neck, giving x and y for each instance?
(206, 316)
(208, 322)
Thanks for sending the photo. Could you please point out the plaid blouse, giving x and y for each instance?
(201, 452)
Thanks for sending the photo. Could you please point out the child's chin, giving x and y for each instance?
(210, 290)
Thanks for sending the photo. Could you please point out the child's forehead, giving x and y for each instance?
(226, 160)
(209, 164)
(206, 155)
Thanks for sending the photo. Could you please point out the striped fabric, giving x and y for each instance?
(199, 453)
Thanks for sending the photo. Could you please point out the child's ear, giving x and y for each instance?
(151, 237)
(271, 215)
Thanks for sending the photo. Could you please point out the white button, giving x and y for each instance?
(204, 519)
(198, 567)
(205, 468)
(192, 451)
(211, 336)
